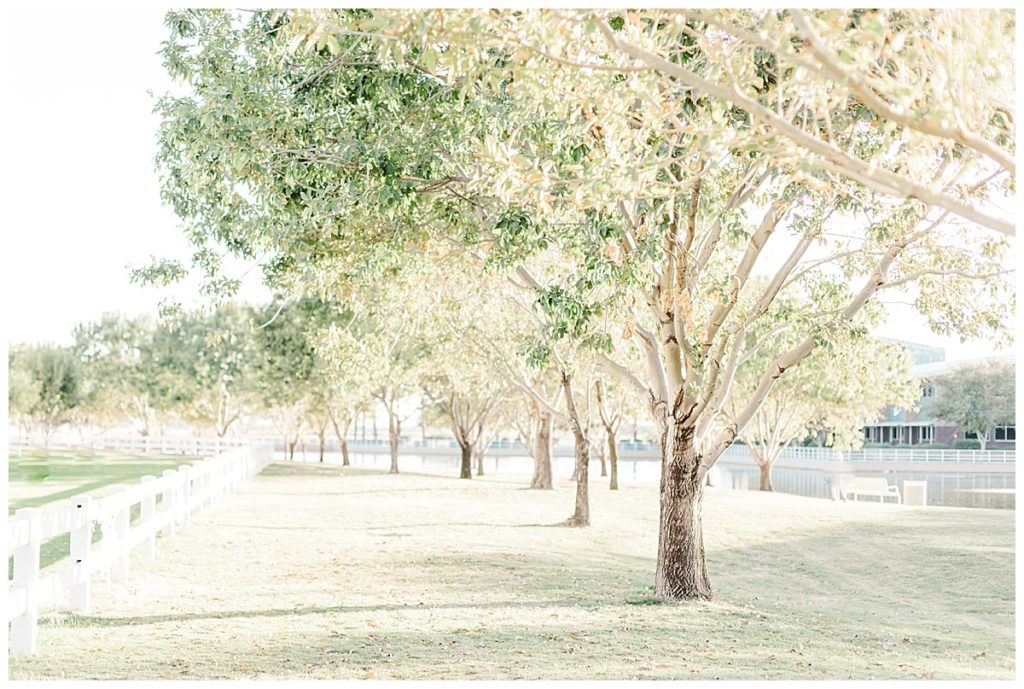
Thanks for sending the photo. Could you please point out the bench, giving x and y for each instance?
(874, 487)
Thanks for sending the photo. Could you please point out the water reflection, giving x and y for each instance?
(986, 490)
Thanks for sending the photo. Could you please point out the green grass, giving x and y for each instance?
(321, 572)
(48, 478)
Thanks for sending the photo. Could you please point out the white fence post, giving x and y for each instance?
(81, 543)
(25, 628)
(147, 512)
(168, 504)
(122, 524)
(186, 492)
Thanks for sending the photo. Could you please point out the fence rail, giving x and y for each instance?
(164, 502)
(883, 454)
(139, 444)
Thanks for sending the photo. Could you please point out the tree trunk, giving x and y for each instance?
(765, 465)
(581, 515)
(394, 430)
(479, 453)
(600, 457)
(613, 459)
(542, 454)
(681, 572)
(766, 476)
(291, 449)
(341, 431)
(466, 468)
(323, 442)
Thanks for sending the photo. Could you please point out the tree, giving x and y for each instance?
(22, 390)
(47, 385)
(655, 199)
(129, 369)
(837, 391)
(213, 353)
(976, 397)
(611, 420)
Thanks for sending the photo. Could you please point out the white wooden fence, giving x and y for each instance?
(164, 501)
(885, 454)
(138, 444)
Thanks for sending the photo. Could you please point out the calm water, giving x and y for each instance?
(993, 491)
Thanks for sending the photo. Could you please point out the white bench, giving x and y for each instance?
(873, 487)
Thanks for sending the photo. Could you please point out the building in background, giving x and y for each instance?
(899, 426)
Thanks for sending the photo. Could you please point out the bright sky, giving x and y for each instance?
(82, 199)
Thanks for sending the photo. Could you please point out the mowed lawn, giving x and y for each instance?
(49, 477)
(322, 572)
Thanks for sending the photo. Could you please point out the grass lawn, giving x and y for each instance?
(48, 478)
(322, 572)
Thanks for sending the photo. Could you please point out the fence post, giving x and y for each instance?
(167, 502)
(81, 542)
(122, 524)
(186, 492)
(147, 510)
(25, 627)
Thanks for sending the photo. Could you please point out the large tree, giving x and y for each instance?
(523, 134)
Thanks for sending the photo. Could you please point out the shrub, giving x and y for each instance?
(966, 445)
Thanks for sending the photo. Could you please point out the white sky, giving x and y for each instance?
(82, 199)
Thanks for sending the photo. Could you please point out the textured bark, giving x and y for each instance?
(344, 452)
(766, 477)
(613, 460)
(466, 467)
(600, 458)
(581, 514)
(321, 436)
(681, 572)
(542, 454)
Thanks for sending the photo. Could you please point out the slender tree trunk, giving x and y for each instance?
(394, 430)
(542, 454)
(681, 572)
(341, 431)
(466, 467)
(581, 514)
(479, 453)
(765, 465)
(613, 459)
(291, 449)
(600, 457)
(323, 441)
(766, 477)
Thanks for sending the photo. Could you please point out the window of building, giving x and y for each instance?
(928, 390)
(970, 435)
(1008, 432)
(927, 434)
